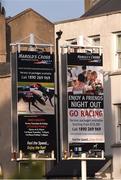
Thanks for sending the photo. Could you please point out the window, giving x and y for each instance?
(72, 41)
(118, 123)
(95, 40)
(118, 50)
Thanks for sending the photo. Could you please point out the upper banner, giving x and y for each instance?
(32, 59)
(85, 102)
(90, 59)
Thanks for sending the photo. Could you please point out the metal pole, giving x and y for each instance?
(59, 33)
(84, 167)
(19, 167)
(31, 38)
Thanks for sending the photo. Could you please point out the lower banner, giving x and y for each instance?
(37, 133)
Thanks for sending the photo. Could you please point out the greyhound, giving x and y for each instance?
(31, 97)
(47, 93)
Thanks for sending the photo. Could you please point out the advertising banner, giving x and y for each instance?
(37, 133)
(85, 102)
(35, 102)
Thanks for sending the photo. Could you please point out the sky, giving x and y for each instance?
(53, 10)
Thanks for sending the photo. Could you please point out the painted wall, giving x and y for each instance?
(5, 126)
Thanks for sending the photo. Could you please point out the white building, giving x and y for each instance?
(101, 25)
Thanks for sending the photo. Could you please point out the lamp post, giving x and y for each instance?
(59, 33)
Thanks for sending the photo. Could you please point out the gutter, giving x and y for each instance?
(88, 17)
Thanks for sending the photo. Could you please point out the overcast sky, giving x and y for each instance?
(53, 10)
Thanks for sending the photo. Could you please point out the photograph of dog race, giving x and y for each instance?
(35, 98)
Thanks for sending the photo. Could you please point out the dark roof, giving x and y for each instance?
(104, 7)
(72, 168)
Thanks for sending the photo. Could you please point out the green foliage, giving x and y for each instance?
(29, 170)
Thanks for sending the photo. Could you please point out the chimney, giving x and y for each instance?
(2, 35)
(3, 11)
(90, 3)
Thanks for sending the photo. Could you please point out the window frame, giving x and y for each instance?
(117, 52)
(93, 38)
(118, 122)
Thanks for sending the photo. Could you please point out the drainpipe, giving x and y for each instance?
(59, 33)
